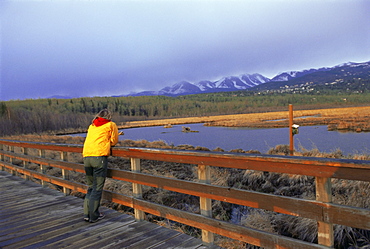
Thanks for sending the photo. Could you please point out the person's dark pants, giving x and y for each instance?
(96, 172)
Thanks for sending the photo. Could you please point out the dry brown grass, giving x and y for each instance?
(345, 192)
(350, 118)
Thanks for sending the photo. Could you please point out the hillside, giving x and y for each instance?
(297, 81)
(351, 77)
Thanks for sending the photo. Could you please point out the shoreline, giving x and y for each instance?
(355, 119)
(350, 119)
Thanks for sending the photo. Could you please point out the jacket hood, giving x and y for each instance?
(100, 121)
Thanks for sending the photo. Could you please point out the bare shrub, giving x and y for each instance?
(232, 244)
(260, 220)
(348, 237)
(351, 193)
(296, 227)
(201, 148)
(218, 149)
(118, 186)
(237, 151)
(280, 149)
(219, 176)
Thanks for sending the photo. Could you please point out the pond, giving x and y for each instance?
(244, 138)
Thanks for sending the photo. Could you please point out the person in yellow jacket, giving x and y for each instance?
(101, 136)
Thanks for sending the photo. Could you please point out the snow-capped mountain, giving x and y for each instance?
(246, 81)
(286, 76)
(242, 82)
(338, 77)
(180, 88)
(230, 83)
(206, 85)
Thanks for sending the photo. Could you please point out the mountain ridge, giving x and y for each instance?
(254, 81)
(283, 82)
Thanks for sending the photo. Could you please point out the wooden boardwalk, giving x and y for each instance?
(35, 217)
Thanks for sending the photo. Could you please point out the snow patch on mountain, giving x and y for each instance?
(182, 87)
(241, 82)
(230, 83)
(205, 85)
(286, 76)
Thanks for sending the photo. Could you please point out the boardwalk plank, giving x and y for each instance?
(134, 231)
(155, 239)
(172, 242)
(25, 225)
(61, 234)
(53, 214)
(40, 210)
(146, 239)
(33, 216)
(19, 201)
(71, 222)
(33, 235)
(190, 243)
(100, 239)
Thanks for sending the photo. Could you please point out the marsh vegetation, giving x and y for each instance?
(345, 192)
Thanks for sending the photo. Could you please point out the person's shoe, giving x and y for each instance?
(101, 216)
(86, 218)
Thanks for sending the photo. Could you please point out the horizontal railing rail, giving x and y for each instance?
(321, 209)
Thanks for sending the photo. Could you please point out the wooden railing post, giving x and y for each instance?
(42, 167)
(25, 163)
(324, 194)
(11, 149)
(65, 175)
(2, 156)
(291, 139)
(137, 188)
(204, 176)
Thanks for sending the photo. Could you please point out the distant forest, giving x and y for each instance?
(38, 116)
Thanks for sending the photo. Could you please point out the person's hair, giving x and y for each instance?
(105, 113)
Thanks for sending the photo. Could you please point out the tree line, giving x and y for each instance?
(50, 115)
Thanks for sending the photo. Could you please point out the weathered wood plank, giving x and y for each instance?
(96, 234)
(27, 219)
(146, 235)
(65, 232)
(117, 236)
(190, 244)
(171, 242)
(44, 146)
(155, 239)
(325, 229)
(37, 217)
(321, 167)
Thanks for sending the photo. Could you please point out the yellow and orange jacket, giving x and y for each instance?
(101, 135)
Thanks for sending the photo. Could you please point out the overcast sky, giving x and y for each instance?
(110, 47)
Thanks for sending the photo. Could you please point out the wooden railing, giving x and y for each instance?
(322, 210)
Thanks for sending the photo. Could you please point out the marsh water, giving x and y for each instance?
(226, 138)
(309, 137)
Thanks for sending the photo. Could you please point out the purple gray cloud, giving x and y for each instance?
(99, 48)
